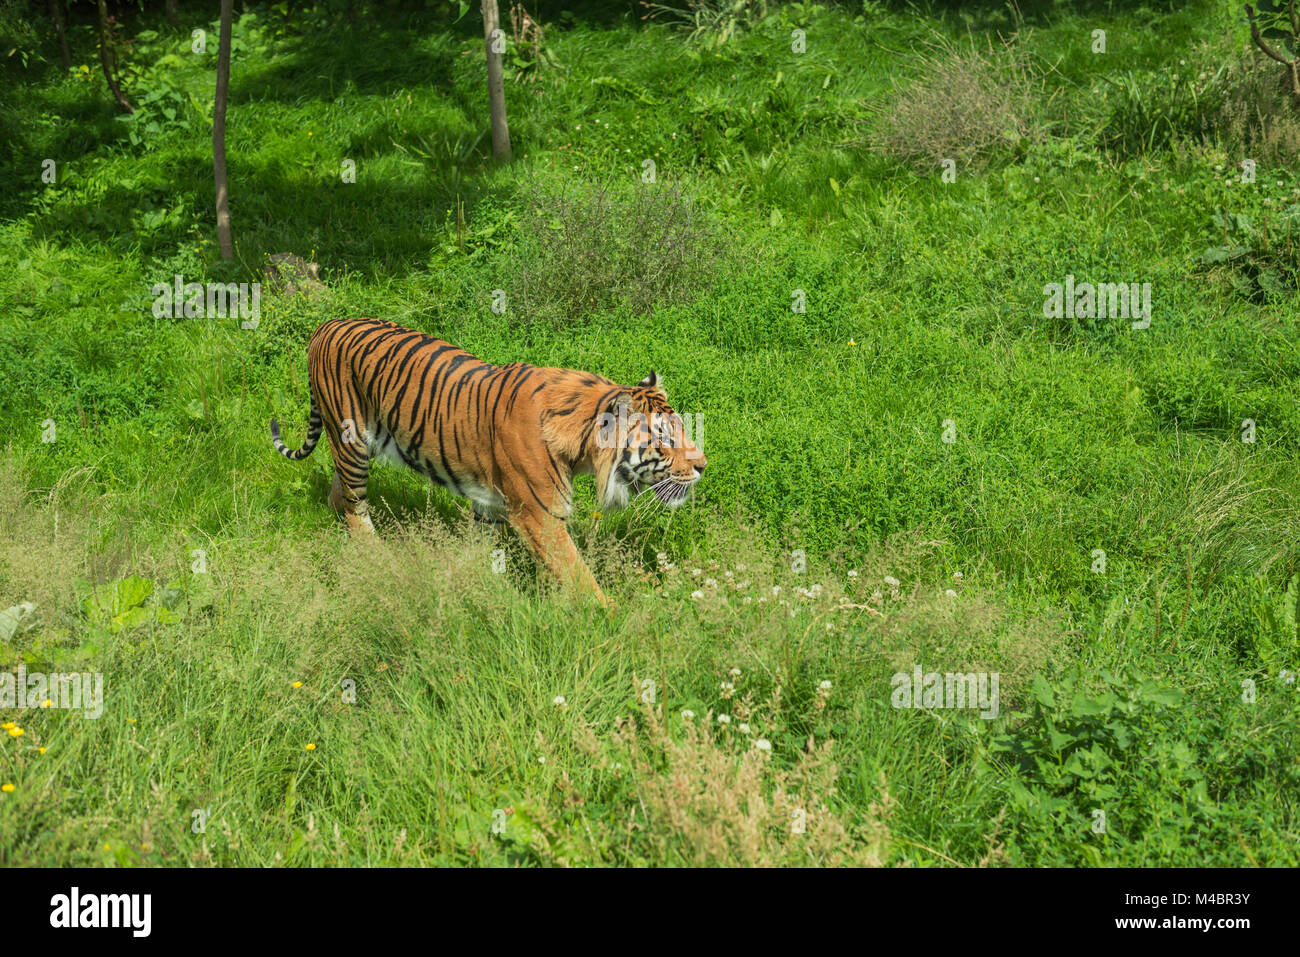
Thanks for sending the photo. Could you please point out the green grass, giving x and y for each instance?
(428, 681)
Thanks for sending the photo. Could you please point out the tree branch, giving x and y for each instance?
(1259, 37)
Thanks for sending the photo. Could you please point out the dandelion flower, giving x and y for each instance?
(311, 747)
(297, 684)
(7, 788)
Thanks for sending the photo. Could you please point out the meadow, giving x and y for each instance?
(837, 257)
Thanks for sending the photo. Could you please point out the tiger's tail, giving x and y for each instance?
(314, 429)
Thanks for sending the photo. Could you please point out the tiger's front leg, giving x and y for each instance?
(548, 537)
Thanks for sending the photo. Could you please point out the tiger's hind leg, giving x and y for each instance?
(351, 473)
(353, 506)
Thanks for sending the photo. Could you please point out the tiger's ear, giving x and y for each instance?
(652, 381)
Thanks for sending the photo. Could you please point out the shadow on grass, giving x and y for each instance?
(157, 201)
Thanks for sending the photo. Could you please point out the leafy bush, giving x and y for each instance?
(1119, 751)
(1119, 766)
(1259, 259)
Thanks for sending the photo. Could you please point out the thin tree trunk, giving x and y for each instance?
(109, 59)
(219, 132)
(496, 81)
(173, 17)
(58, 15)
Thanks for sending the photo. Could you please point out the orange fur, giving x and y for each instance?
(510, 438)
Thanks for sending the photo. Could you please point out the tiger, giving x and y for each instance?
(509, 438)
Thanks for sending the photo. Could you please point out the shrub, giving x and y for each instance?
(588, 248)
(971, 106)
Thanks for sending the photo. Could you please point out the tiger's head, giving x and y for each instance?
(644, 445)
